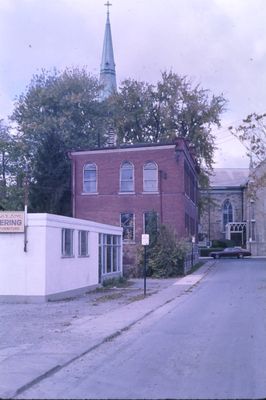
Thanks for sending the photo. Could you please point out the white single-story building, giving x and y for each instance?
(57, 257)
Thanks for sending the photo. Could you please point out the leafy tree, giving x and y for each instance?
(11, 173)
(59, 111)
(49, 173)
(252, 134)
(172, 108)
(4, 155)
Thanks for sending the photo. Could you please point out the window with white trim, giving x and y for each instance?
(109, 253)
(227, 213)
(90, 178)
(150, 177)
(127, 223)
(83, 243)
(127, 177)
(67, 242)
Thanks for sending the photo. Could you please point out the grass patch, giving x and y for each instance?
(140, 296)
(108, 297)
(120, 282)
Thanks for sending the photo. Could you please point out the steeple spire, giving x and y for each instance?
(107, 72)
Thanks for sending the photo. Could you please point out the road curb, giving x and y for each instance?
(116, 333)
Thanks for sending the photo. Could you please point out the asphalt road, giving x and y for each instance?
(209, 343)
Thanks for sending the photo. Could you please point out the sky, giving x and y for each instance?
(218, 44)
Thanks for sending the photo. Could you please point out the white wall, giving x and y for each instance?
(41, 272)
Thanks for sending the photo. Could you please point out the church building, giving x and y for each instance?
(224, 216)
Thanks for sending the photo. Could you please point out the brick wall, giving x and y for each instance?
(105, 206)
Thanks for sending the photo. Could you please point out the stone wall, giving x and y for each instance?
(212, 219)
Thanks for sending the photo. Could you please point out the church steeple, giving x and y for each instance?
(107, 73)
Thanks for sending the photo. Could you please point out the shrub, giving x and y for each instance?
(115, 282)
(223, 243)
(167, 256)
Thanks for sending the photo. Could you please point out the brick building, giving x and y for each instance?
(122, 186)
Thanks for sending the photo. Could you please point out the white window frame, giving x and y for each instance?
(131, 240)
(80, 243)
(110, 244)
(145, 188)
(121, 181)
(67, 248)
(92, 164)
(227, 201)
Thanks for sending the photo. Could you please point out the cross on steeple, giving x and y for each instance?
(108, 4)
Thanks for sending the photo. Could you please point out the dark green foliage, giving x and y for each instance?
(59, 112)
(145, 113)
(165, 254)
(12, 173)
(223, 243)
(66, 103)
(51, 189)
(168, 255)
(119, 282)
(151, 228)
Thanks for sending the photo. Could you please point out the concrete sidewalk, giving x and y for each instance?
(38, 340)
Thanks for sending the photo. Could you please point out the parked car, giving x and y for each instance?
(231, 252)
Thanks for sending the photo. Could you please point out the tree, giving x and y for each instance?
(59, 111)
(4, 156)
(172, 108)
(252, 134)
(51, 173)
(11, 173)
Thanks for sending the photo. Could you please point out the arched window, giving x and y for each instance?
(90, 178)
(127, 177)
(150, 177)
(227, 213)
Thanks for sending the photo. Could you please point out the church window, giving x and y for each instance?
(127, 177)
(227, 213)
(150, 177)
(90, 178)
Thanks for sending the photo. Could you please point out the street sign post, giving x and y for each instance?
(145, 240)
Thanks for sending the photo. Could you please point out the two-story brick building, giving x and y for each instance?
(123, 185)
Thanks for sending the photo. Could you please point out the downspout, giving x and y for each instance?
(73, 183)
(74, 188)
(161, 194)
